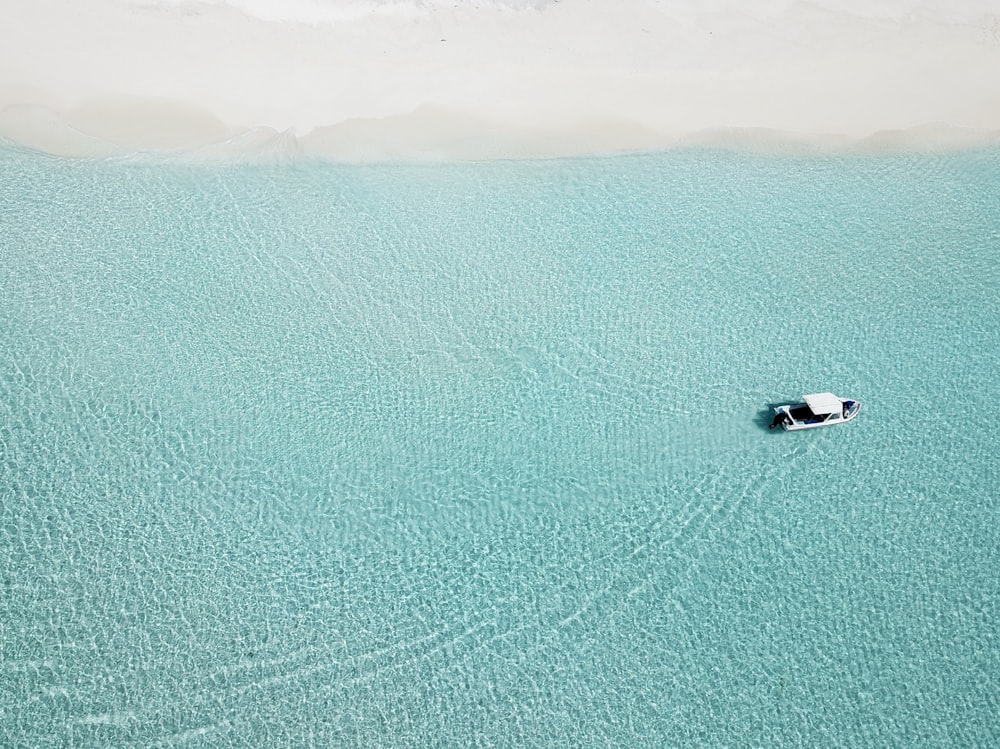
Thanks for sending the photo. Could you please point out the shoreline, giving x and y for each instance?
(267, 146)
(429, 81)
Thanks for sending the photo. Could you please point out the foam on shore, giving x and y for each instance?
(364, 80)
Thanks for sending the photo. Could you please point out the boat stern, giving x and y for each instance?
(782, 418)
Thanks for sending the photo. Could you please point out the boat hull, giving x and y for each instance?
(795, 416)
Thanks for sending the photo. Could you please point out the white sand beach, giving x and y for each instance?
(377, 79)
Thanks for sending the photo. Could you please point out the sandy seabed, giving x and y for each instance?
(364, 80)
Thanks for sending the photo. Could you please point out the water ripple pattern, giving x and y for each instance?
(477, 454)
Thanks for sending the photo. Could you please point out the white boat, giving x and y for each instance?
(819, 410)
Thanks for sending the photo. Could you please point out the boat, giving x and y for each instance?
(818, 410)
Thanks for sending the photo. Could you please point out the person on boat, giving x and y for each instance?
(847, 407)
(779, 418)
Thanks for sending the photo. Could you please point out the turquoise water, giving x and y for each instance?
(476, 454)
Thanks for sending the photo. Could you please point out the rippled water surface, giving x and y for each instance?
(456, 455)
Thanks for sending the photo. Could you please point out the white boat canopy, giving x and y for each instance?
(822, 404)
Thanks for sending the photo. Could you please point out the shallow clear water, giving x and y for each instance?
(476, 454)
